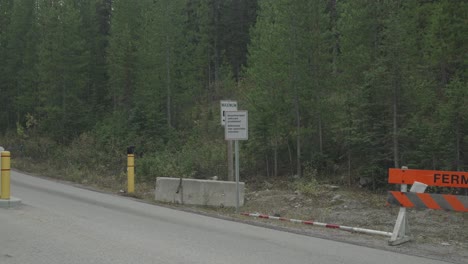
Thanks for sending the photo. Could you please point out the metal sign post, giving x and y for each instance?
(236, 147)
(236, 129)
(228, 105)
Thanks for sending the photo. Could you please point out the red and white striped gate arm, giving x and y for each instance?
(334, 226)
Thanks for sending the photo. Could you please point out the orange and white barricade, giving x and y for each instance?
(420, 200)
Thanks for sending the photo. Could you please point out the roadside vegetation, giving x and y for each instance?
(337, 91)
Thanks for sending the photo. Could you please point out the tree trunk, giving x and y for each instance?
(333, 19)
(168, 73)
(396, 90)
(395, 131)
(349, 167)
(291, 164)
(458, 137)
(320, 132)
(168, 82)
(350, 124)
(275, 157)
(296, 101)
(216, 46)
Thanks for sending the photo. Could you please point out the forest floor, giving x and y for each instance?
(436, 234)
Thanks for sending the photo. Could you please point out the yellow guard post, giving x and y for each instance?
(5, 159)
(131, 169)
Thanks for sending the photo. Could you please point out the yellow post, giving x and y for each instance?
(5, 159)
(131, 169)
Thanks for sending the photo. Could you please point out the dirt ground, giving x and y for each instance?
(436, 234)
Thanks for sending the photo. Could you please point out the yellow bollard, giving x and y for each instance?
(131, 169)
(5, 159)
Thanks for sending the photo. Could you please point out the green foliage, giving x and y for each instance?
(308, 185)
(308, 188)
(194, 160)
(333, 88)
(18, 56)
(61, 105)
(40, 149)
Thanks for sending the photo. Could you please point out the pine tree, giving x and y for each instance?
(444, 46)
(288, 65)
(158, 65)
(18, 56)
(95, 25)
(122, 57)
(6, 8)
(62, 71)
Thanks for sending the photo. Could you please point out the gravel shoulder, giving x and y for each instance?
(437, 234)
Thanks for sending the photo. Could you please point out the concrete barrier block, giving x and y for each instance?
(198, 192)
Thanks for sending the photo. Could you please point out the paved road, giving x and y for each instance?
(61, 224)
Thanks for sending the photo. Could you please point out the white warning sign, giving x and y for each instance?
(227, 106)
(237, 125)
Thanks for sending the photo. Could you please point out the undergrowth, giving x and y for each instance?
(88, 161)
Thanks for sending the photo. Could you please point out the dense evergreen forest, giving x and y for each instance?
(335, 89)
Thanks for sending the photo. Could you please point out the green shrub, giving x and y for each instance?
(40, 148)
(308, 184)
(308, 187)
(193, 160)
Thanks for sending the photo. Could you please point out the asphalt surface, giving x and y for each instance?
(62, 224)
